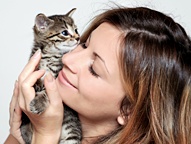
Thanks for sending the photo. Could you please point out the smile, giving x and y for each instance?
(63, 79)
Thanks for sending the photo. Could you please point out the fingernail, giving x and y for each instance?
(49, 77)
(37, 53)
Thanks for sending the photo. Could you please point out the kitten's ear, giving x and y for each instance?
(43, 23)
(70, 13)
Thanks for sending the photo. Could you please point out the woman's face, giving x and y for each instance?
(90, 80)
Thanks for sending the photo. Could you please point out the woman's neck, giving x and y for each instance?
(94, 129)
(89, 140)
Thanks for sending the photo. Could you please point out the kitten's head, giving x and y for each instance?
(59, 30)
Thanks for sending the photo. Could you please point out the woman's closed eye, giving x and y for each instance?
(92, 71)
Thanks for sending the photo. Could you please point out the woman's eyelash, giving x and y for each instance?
(83, 45)
(90, 67)
(92, 71)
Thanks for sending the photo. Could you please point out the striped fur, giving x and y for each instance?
(54, 36)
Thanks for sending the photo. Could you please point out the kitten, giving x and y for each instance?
(54, 36)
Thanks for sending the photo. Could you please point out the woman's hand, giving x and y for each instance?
(15, 119)
(47, 125)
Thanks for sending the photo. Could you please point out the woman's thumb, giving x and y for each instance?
(51, 89)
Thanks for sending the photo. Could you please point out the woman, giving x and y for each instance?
(130, 78)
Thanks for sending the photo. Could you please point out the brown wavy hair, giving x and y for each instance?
(155, 63)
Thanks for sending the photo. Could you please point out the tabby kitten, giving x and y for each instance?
(54, 36)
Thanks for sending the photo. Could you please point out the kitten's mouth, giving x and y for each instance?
(66, 47)
(73, 44)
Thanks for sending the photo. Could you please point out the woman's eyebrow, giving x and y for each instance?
(101, 60)
(98, 55)
(88, 40)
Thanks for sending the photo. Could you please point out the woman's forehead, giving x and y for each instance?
(106, 34)
(106, 28)
(105, 41)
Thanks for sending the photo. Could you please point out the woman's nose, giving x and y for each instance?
(74, 59)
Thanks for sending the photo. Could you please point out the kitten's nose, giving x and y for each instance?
(77, 38)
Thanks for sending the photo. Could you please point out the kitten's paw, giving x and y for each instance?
(26, 133)
(39, 103)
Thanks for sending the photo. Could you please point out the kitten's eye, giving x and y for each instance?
(83, 45)
(76, 31)
(65, 33)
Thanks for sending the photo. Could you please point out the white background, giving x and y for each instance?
(16, 36)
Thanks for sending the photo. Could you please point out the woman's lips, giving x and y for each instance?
(63, 79)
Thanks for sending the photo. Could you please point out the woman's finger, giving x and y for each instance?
(13, 102)
(27, 89)
(16, 123)
(31, 66)
(51, 90)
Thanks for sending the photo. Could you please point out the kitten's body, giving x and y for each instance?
(54, 36)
